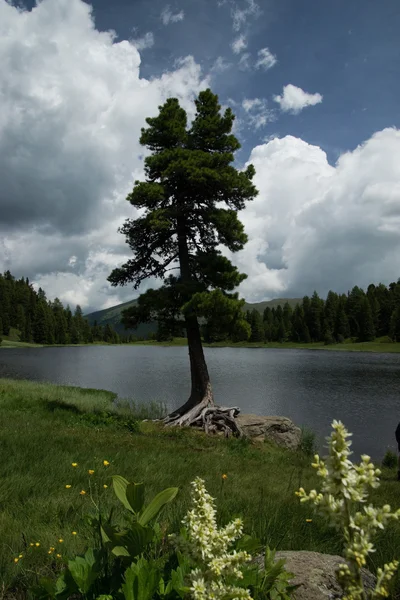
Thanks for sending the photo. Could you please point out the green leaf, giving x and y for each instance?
(120, 485)
(249, 544)
(120, 551)
(135, 496)
(137, 539)
(141, 581)
(85, 569)
(156, 505)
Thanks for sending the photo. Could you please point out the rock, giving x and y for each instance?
(315, 574)
(280, 430)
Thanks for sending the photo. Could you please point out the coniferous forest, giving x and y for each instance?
(362, 316)
(359, 315)
(42, 321)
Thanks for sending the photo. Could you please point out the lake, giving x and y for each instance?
(311, 387)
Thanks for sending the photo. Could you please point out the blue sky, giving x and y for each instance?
(315, 86)
(348, 51)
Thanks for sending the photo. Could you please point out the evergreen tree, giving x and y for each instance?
(299, 329)
(257, 327)
(395, 324)
(287, 316)
(189, 175)
(330, 312)
(268, 320)
(315, 317)
(342, 329)
(355, 303)
(366, 322)
(60, 322)
(41, 325)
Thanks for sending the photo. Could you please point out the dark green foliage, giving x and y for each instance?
(390, 460)
(257, 327)
(39, 320)
(189, 174)
(358, 314)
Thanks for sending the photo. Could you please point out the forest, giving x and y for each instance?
(359, 315)
(43, 321)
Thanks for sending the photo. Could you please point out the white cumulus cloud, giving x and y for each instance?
(294, 99)
(72, 106)
(317, 226)
(167, 16)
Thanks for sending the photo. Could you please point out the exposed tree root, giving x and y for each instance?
(210, 418)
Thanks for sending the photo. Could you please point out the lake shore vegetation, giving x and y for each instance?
(61, 446)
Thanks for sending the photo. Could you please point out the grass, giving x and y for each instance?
(381, 345)
(44, 428)
(376, 346)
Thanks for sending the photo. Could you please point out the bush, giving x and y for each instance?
(390, 460)
(308, 444)
(340, 338)
(329, 339)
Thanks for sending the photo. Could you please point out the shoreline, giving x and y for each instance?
(372, 347)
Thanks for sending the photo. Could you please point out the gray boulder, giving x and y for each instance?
(280, 430)
(315, 574)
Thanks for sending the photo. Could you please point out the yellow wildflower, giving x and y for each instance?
(82, 492)
(58, 555)
(90, 471)
(16, 560)
(105, 463)
(74, 533)
(74, 464)
(224, 476)
(49, 552)
(105, 486)
(308, 520)
(31, 544)
(52, 548)
(60, 540)
(37, 544)
(21, 555)
(68, 486)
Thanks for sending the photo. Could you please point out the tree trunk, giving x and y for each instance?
(201, 394)
(199, 410)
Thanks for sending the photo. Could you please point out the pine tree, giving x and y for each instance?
(395, 324)
(287, 316)
(299, 330)
(40, 325)
(366, 322)
(189, 176)
(257, 327)
(341, 329)
(315, 318)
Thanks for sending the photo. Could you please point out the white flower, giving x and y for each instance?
(344, 486)
(209, 548)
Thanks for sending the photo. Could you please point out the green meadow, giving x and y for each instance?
(45, 428)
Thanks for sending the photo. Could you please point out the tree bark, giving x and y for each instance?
(199, 409)
(201, 393)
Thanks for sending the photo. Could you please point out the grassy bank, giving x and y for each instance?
(376, 346)
(45, 428)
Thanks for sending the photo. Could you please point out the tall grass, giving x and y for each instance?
(45, 428)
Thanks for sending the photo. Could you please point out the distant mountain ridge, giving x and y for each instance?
(112, 315)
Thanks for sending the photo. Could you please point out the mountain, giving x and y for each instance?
(112, 315)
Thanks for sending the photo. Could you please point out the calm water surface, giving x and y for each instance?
(311, 387)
